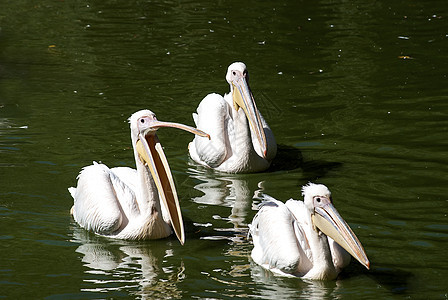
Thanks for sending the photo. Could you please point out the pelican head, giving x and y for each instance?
(326, 219)
(144, 125)
(238, 79)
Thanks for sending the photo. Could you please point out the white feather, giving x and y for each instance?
(232, 147)
(286, 241)
(120, 202)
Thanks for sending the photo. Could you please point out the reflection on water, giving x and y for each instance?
(138, 268)
(276, 287)
(227, 190)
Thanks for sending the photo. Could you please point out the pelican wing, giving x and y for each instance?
(277, 238)
(127, 175)
(102, 210)
(211, 117)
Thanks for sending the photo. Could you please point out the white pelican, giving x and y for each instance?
(240, 139)
(304, 238)
(125, 203)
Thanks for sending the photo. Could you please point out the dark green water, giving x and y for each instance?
(356, 93)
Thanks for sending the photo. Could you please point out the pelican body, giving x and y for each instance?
(240, 139)
(127, 203)
(306, 239)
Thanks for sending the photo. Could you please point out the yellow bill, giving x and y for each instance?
(328, 220)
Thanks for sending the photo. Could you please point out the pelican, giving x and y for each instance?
(125, 203)
(304, 238)
(240, 139)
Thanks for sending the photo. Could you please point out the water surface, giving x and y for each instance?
(355, 92)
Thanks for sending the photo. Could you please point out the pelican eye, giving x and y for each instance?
(318, 199)
(142, 121)
(234, 73)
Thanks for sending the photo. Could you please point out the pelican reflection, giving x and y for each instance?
(142, 269)
(278, 287)
(226, 190)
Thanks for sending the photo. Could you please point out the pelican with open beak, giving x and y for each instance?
(307, 238)
(240, 139)
(126, 203)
